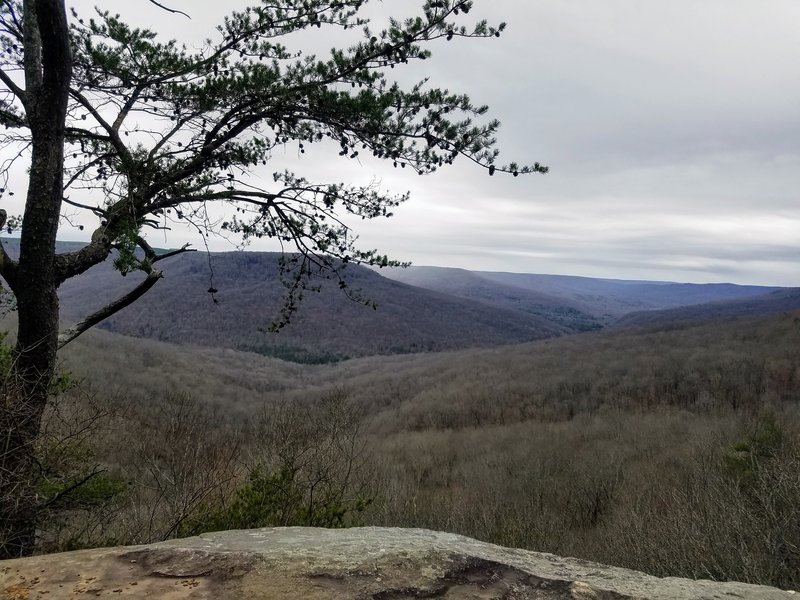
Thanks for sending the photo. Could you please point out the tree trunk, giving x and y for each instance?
(48, 70)
(25, 398)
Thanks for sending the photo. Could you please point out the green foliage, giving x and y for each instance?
(297, 354)
(278, 498)
(267, 499)
(5, 356)
(62, 382)
(308, 470)
(744, 460)
(92, 490)
(126, 260)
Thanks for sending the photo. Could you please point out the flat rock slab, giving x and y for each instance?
(369, 563)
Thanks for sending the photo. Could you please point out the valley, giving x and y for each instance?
(650, 425)
(573, 445)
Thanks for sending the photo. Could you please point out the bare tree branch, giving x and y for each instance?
(181, 250)
(11, 85)
(72, 488)
(80, 327)
(113, 135)
(172, 10)
(153, 275)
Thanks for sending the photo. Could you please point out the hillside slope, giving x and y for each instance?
(250, 296)
(571, 445)
(609, 299)
(421, 309)
(580, 302)
(780, 301)
(538, 380)
(473, 286)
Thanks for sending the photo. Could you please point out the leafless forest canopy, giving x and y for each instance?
(675, 450)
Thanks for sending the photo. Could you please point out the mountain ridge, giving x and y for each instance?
(420, 309)
(250, 297)
(603, 300)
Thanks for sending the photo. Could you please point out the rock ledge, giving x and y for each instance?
(369, 563)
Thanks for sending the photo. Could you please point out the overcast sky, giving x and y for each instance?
(672, 130)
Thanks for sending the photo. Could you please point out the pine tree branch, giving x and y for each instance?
(70, 264)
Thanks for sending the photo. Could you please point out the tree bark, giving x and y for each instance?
(48, 70)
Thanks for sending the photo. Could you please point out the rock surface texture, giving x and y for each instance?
(368, 563)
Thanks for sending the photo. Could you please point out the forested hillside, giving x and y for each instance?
(774, 302)
(329, 324)
(419, 309)
(572, 445)
(668, 443)
(474, 286)
(603, 300)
